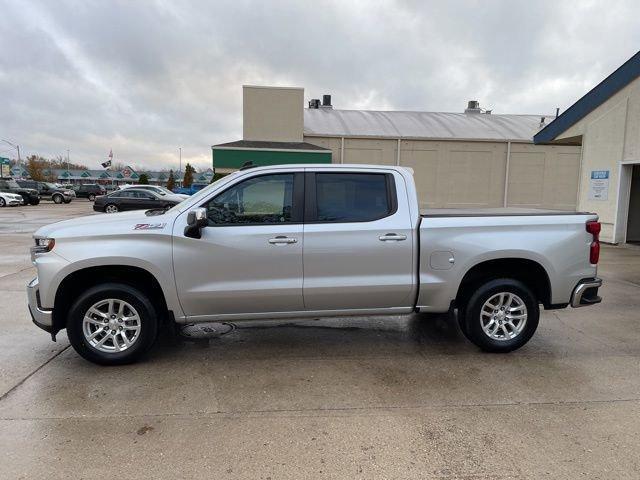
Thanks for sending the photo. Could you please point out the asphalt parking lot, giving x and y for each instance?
(395, 397)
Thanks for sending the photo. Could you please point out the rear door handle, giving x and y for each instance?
(282, 240)
(392, 237)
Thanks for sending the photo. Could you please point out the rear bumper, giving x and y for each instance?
(586, 293)
(41, 317)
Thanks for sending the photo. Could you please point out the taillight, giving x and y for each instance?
(594, 228)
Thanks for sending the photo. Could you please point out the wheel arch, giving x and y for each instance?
(78, 281)
(525, 270)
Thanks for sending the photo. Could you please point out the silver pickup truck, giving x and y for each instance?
(297, 241)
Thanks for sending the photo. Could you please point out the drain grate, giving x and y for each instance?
(206, 330)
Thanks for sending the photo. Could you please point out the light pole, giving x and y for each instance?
(17, 147)
(180, 165)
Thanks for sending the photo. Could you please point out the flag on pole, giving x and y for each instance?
(107, 164)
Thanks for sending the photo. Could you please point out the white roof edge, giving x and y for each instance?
(268, 87)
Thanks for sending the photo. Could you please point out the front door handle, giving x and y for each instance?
(392, 237)
(282, 240)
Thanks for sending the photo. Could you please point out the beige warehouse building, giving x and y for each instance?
(469, 159)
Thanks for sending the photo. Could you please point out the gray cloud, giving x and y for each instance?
(143, 78)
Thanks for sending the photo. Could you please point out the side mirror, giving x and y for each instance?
(196, 221)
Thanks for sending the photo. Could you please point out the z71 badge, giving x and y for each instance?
(149, 226)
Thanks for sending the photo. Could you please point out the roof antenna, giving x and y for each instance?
(557, 111)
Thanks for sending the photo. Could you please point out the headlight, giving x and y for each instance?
(44, 244)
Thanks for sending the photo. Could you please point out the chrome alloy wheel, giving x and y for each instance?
(111, 325)
(111, 209)
(503, 316)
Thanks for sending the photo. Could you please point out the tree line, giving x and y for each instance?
(41, 169)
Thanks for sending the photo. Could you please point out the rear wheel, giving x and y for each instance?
(501, 316)
(2, 202)
(111, 208)
(32, 202)
(112, 324)
(57, 199)
(67, 201)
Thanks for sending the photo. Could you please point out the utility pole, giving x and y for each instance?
(17, 147)
(180, 166)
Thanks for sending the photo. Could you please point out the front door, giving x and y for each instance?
(358, 242)
(249, 258)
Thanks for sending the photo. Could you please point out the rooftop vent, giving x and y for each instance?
(314, 103)
(326, 101)
(473, 106)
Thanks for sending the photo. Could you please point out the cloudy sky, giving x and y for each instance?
(146, 77)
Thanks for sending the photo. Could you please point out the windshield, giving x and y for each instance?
(13, 184)
(204, 192)
(50, 185)
(164, 191)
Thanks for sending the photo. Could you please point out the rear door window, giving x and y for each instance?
(352, 197)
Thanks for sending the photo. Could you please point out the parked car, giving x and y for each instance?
(10, 199)
(89, 190)
(50, 191)
(307, 241)
(189, 190)
(133, 199)
(29, 196)
(160, 190)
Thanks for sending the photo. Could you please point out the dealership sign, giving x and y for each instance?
(5, 167)
(599, 185)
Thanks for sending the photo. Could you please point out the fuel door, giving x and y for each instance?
(441, 260)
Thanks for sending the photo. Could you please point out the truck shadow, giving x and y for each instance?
(342, 336)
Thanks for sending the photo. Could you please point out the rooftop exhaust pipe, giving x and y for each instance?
(326, 101)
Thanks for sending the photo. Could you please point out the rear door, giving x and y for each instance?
(358, 241)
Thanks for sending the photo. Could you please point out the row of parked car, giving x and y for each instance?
(126, 197)
(30, 192)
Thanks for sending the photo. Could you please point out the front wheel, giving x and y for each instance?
(501, 316)
(92, 197)
(57, 199)
(2, 202)
(33, 202)
(111, 208)
(112, 324)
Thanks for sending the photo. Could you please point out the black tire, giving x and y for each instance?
(57, 199)
(33, 202)
(142, 304)
(92, 197)
(111, 205)
(2, 202)
(470, 319)
(67, 201)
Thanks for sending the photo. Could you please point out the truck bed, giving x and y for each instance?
(494, 212)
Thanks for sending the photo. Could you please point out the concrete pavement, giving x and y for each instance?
(394, 397)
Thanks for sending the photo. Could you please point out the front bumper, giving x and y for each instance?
(586, 293)
(41, 317)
